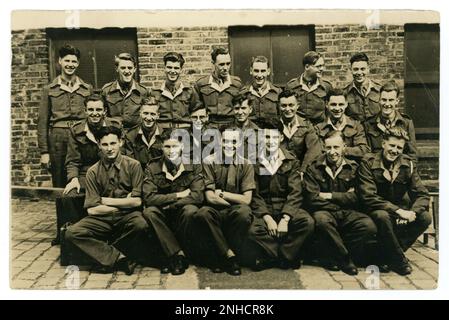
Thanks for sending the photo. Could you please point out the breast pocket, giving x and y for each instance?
(58, 99)
(209, 96)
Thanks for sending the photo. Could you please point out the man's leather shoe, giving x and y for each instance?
(126, 265)
(262, 264)
(177, 264)
(102, 269)
(349, 267)
(384, 268)
(403, 269)
(330, 265)
(232, 267)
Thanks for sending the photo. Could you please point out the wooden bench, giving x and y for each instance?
(434, 211)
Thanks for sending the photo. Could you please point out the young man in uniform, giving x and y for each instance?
(62, 104)
(281, 226)
(174, 97)
(389, 116)
(113, 203)
(362, 93)
(217, 90)
(124, 95)
(353, 131)
(143, 142)
(299, 134)
(341, 230)
(224, 222)
(82, 153)
(383, 180)
(172, 193)
(264, 94)
(311, 90)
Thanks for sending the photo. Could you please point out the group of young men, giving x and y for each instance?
(224, 174)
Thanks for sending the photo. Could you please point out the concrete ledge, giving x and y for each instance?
(36, 192)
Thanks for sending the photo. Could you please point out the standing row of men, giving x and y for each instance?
(226, 213)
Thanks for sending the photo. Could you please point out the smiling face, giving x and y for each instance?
(260, 73)
(392, 148)
(125, 70)
(172, 71)
(388, 102)
(315, 71)
(242, 111)
(149, 115)
(336, 107)
(360, 71)
(172, 149)
(69, 64)
(334, 148)
(231, 142)
(95, 111)
(222, 65)
(288, 107)
(110, 146)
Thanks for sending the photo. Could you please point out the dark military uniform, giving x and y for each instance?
(138, 147)
(312, 100)
(265, 104)
(341, 229)
(354, 136)
(376, 126)
(124, 106)
(170, 217)
(302, 140)
(250, 140)
(278, 193)
(361, 106)
(60, 107)
(82, 153)
(224, 228)
(174, 107)
(381, 190)
(126, 228)
(218, 99)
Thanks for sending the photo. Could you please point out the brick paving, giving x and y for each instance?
(34, 264)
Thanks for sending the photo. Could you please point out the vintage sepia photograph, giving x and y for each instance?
(225, 149)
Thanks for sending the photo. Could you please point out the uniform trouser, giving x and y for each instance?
(93, 236)
(260, 244)
(394, 240)
(218, 230)
(342, 233)
(57, 148)
(171, 226)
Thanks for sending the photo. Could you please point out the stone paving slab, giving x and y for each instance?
(35, 265)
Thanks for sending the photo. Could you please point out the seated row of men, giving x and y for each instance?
(225, 210)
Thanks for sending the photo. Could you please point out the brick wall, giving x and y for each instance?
(29, 74)
(384, 47)
(194, 43)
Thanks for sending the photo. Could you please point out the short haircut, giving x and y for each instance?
(217, 51)
(107, 130)
(197, 106)
(238, 99)
(390, 86)
(95, 96)
(333, 134)
(69, 49)
(359, 56)
(396, 132)
(335, 92)
(310, 58)
(174, 57)
(287, 94)
(150, 101)
(271, 124)
(169, 134)
(124, 56)
(261, 59)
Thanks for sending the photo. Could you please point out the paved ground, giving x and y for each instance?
(35, 265)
